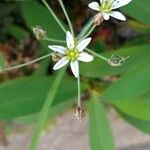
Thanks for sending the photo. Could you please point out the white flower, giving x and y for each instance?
(106, 6)
(73, 53)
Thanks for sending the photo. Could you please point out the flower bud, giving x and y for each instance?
(39, 33)
(98, 19)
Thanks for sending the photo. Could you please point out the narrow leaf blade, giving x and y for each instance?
(99, 128)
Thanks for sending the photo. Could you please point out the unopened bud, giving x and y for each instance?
(98, 19)
(116, 60)
(39, 32)
(79, 113)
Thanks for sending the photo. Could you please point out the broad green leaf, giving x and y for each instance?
(139, 27)
(137, 6)
(99, 128)
(137, 108)
(18, 32)
(138, 41)
(45, 109)
(53, 112)
(26, 95)
(132, 84)
(36, 14)
(144, 126)
(100, 68)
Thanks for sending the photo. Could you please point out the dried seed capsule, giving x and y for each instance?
(56, 56)
(39, 32)
(79, 113)
(116, 60)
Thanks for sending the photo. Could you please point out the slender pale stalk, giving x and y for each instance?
(53, 40)
(54, 15)
(79, 91)
(45, 109)
(89, 32)
(86, 28)
(25, 64)
(98, 55)
(67, 17)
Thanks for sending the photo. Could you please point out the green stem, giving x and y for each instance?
(79, 90)
(25, 64)
(67, 17)
(86, 28)
(53, 40)
(98, 55)
(89, 32)
(45, 109)
(54, 15)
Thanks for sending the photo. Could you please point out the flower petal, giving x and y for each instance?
(59, 49)
(75, 68)
(70, 40)
(119, 3)
(106, 16)
(94, 5)
(117, 15)
(85, 57)
(62, 62)
(102, 2)
(83, 44)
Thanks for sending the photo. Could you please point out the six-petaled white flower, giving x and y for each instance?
(73, 53)
(106, 8)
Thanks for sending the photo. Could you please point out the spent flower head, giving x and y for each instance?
(79, 113)
(106, 8)
(72, 54)
(39, 33)
(116, 60)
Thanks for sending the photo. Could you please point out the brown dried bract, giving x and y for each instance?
(79, 113)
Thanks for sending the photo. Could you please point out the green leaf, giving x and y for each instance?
(26, 95)
(137, 6)
(36, 14)
(132, 84)
(53, 112)
(138, 108)
(18, 32)
(139, 27)
(2, 61)
(45, 109)
(100, 68)
(144, 126)
(99, 128)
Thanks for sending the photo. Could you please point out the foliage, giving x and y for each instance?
(28, 95)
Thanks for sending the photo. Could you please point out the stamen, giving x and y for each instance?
(72, 54)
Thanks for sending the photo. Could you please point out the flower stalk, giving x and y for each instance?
(54, 15)
(89, 32)
(53, 40)
(98, 55)
(67, 17)
(25, 64)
